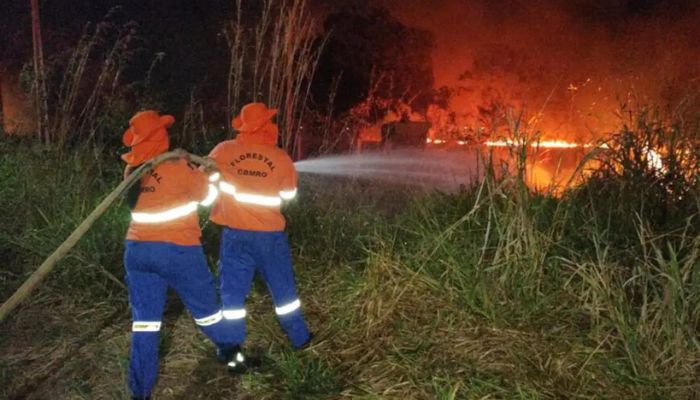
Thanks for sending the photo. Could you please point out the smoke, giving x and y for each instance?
(576, 61)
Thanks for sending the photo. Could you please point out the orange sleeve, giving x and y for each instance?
(289, 179)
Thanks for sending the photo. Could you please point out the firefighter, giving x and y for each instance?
(163, 249)
(256, 178)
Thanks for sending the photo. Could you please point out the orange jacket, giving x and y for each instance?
(166, 210)
(255, 180)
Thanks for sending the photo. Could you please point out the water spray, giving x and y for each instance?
(433, 168)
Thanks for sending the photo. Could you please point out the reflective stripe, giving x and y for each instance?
(145, 326)
(235, 314)
(214, 177)
(163, 216)
(249, 198)
(287, 308)
(288, 194)
(211, 196)
(258, 199)
(239, 357)
(210, 320)
(227, 188)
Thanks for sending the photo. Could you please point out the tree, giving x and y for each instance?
(370, 49)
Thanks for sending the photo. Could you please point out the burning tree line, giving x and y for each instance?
(275, 52)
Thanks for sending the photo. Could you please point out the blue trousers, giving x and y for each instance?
(152, 267)
(242, 254)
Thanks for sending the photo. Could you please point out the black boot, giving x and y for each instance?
(225, 354)
(307, 343)
(236, 362)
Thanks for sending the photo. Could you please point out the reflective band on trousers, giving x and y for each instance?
(211, 196)
(288, 194)
(235, 314)
(250, 198)
(210, 320)
(164, 216)
(288, 308)
(145, 326)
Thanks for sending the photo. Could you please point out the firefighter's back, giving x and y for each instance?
(166, 210)
(255, 179)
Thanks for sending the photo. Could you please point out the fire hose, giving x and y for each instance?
(50, 262)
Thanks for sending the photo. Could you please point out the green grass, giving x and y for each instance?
(492, 293)
(292, 375)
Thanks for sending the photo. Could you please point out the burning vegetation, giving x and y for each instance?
(574, 69)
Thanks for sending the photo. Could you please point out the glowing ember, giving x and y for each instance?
(549, 144)
(654, 160)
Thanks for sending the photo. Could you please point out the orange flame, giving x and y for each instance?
(547, 144)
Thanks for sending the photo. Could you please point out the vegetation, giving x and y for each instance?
(494, 292)
(386, 59)
(278, 68)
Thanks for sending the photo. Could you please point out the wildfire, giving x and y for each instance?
(553, 170)
(548, 144)
(655, 161)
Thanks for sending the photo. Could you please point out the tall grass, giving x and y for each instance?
(273, 61)
(85, 89)
(49, 194)
(494, 292)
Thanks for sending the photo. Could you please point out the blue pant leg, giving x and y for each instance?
(191, 278)
(276, 269)
(147, 294)
(236, 271)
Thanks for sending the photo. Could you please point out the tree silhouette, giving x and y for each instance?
(369, 48)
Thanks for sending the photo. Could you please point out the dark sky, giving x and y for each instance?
(183, 31)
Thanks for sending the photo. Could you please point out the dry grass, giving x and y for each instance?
(494, 293)
(274, 62)
(87, 91)
(382, 332)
